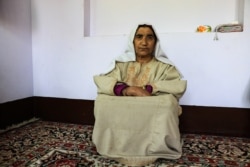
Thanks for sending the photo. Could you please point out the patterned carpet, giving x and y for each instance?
(53, 144)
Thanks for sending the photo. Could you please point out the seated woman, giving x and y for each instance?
(136, 110)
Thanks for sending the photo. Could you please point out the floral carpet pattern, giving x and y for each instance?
(53, 144)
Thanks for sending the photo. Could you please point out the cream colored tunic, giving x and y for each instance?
(138, 130)
(164, 78)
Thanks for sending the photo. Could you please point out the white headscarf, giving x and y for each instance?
(129, 54)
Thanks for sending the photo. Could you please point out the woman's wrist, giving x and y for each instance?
(120, 89)
(124, 91)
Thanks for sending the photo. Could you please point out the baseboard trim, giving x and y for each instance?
(64, 110)
(215, 121)
(16, 111)
(194, 119)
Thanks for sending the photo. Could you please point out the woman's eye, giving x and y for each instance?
(138, 36)
(151, 37)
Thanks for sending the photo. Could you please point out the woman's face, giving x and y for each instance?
(144, 42)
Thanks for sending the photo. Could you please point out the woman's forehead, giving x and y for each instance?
(144, 30)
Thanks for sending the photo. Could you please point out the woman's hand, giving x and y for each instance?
(135, 91)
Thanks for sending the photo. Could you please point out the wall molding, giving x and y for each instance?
(194, 119)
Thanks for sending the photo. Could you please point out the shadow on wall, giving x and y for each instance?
(246, 97)
(15, 16)
(247, 101)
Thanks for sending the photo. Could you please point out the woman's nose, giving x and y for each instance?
(144, 41)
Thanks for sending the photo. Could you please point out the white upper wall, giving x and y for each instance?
(16, 80)
(64, 61)
(115, 17)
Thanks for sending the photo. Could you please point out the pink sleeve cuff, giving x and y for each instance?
(119, 88)
(149, 88)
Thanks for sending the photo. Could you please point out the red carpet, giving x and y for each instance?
(54, 144)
